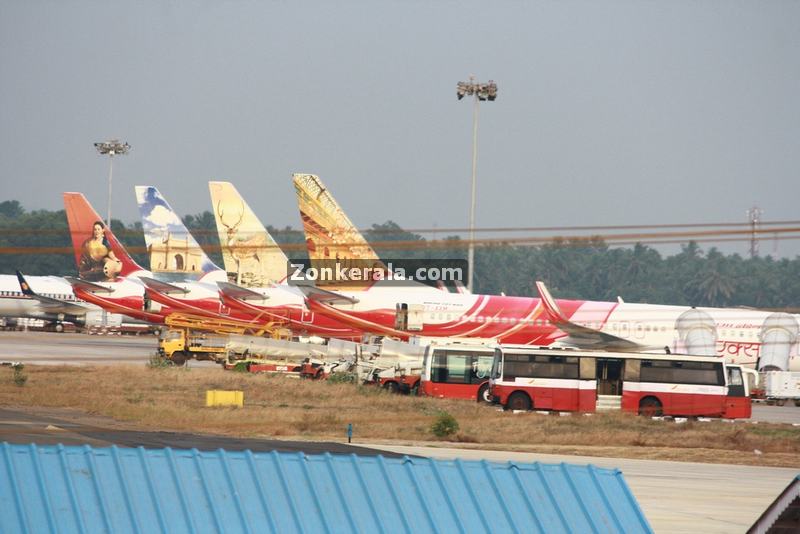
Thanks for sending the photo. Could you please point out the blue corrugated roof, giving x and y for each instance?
(83, 489)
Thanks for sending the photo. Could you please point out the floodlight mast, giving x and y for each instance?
(481, 91)
(111, 148)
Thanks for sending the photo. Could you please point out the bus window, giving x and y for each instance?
(482, 367)
(461, 367)
(656, 371)
(439, 367)
(543, 367)
(705, 373)
(515, 365)
(735, 382)
(632, 370)
(588, 369)
(458, 368)
(682, 372)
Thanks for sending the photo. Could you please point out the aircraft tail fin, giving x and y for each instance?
(174, 253)
(330, 235)
(99, 256)
(23, 285)
(252, 257)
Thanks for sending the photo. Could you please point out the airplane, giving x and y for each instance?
(167, 237)
(51, 299)
(110, 278)
(751, 337)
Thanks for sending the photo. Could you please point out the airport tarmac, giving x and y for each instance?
(50, 348)
(49, 427)
(674, 496)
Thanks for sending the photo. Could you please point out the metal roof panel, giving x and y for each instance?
(81, 489)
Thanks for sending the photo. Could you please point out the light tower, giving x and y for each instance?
(481, 91)
(111, 148)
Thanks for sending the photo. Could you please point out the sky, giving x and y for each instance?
(607, 112)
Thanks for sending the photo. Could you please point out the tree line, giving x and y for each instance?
(578, 269)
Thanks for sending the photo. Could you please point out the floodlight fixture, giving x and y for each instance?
(111, 148)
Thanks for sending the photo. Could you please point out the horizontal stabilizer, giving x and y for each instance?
(48, 303)
(582, 336)
(323, 295)
(162, 287)
(238, 292)
(91, 287)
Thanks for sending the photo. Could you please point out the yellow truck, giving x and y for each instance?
(181, 344)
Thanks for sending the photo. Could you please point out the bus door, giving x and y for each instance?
(737, 401)
(609, 376)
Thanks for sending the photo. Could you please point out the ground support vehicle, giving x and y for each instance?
(187, 336)
(181, 344)
(781, 386)
(525, 378)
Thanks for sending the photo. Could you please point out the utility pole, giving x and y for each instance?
(754, 214)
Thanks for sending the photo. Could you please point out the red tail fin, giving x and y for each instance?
(99, 256)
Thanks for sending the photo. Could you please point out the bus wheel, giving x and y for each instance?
(178, 358)
(797, 402)
(519, 401)
(392, 387)
(650, 407)
(780, 402)
(483, 394)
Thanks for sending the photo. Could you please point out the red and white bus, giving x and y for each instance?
(525, 378)
(457, 371)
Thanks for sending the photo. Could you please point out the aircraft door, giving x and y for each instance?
(414, 317)
(624, 329)
(401, 317)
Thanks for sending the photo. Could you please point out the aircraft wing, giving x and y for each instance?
(323, 295)
(238, 292)
(581, 336)
(162, 287)
(49, 304)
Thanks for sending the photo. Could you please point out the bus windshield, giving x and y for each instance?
(496, 364)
